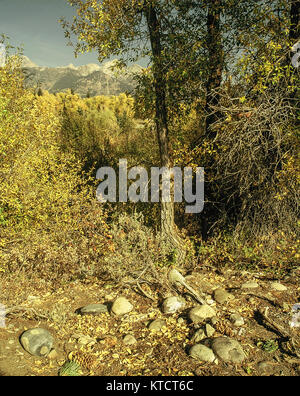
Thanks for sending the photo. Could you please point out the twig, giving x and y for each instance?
(143, 291)
(14, 310)
(273, 324)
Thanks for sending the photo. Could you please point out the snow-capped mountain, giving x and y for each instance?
(90, 79)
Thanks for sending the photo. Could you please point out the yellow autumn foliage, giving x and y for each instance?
(49, 216)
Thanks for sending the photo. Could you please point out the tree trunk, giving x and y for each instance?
(214, 80)
(295, 21)
(168, 227)
(215, 64)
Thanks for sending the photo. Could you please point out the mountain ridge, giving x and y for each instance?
(86, 80)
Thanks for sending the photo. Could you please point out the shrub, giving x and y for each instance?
(51, 223)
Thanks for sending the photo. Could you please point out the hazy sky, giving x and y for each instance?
(34, 25)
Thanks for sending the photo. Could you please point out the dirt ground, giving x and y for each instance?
(96, 342)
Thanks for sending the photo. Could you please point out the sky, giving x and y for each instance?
(33, 24)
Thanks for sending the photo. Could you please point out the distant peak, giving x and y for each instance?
(26, 62)
(70, 66)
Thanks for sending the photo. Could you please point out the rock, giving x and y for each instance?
(129, 340)
(250, 285)
(52, 355)
(202, 353)
(237, 320)
(278, 286)
(173, 304)
(200, 313)
(157, 324)
(93, 309)
(209, 330)
(121, 306)
(37, 342)
(86, 340)
(198, 336)
(210, 301)
(228, 350)
(264, 366)
(222, 296)
(180, 320)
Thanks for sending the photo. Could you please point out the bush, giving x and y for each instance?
(137, 251)
(51, 223)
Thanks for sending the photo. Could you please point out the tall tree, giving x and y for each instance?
(215, 63)
(124, 28)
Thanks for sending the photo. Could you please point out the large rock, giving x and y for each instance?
(121, 306)
(228, 350)
(202, 353)
(38, 341)
(199, 313)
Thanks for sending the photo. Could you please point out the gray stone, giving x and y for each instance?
(222, 296)
(121, 306)
(250, 285)
(93, 309)
(228, 350)
(201, 312)
(129, 340)
(173, 304)
(237, 320)
(202, 353)
(37, 341)
(157, 324)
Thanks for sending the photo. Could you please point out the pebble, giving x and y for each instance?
(52, 355)
(129, 340)
(250, 285)
(264, 366)
(228, 350)
(202, 353)
(200, 313)
(121, 306)
(222, 296)
(237, 320)
(173, 304)
(37, 341)
(157, 324)
(86, 340)
(209, 330)
(278, 286)
(198, 336)
(93, 309)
